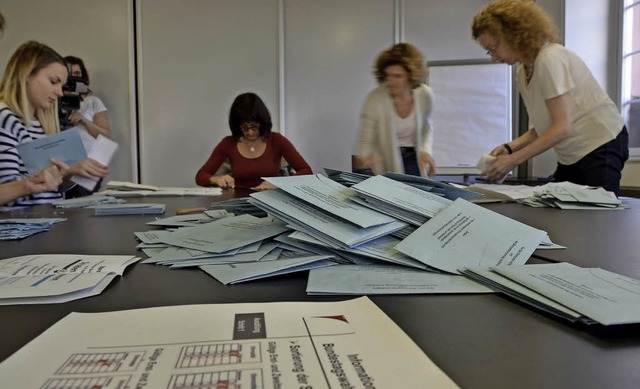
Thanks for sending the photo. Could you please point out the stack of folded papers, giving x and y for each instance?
(442, 189)
(129, 209)
(318, 225)
(563, 195)
(57, 278)
(87, 201)
(11, 229)
(129, 189)
(399, 200)
(586, 295)
(239, 206)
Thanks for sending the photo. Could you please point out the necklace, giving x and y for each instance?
(252, 149)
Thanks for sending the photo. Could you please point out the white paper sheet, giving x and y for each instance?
(263, 346)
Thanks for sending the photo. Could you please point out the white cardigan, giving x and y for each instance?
(378, 132)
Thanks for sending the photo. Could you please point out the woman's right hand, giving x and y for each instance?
(225, 181)
(45, 180)
(89, 168)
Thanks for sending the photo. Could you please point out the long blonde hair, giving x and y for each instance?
(28, 60)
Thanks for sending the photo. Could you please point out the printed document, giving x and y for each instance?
(330, 196)
(65, 146)
(56, 278)
(227, 234)
(348, 344)
(601, 295)
(354, 279)
(467, 235)
(402, 196)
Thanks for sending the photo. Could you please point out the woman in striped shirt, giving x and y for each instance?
(29, 92)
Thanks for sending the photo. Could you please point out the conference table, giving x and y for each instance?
(480, 341)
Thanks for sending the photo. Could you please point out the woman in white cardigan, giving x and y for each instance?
(395, 124)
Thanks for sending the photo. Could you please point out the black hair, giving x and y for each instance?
(249, 107)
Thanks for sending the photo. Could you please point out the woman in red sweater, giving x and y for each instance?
(252, 149)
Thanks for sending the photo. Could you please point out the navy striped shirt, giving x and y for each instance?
(12, 133)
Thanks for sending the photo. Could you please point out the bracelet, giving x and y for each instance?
(509, 149)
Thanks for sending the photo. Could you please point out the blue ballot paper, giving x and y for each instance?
(65, 146)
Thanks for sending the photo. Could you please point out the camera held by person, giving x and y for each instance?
(71, 100)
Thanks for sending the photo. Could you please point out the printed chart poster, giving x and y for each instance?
(349, 344)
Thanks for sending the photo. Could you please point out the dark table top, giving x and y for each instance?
(480, 341)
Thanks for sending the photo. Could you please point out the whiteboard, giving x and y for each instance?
(471, 113)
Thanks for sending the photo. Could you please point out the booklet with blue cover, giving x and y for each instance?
(65, 146)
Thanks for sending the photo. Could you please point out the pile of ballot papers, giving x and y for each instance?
(129, 209)
(586, 295)
(86, 201)
(129, 189)
(11, 229)
(348, 245)
(442, 189)
(57, 278)
(562, 195)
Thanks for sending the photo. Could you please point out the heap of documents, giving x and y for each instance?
(230, 248)
(442, 189)
(239, 206)
(563, 195)
(348, 238)
(129, 209)
(12, 229)
(86, 201)
(587, 295)
(53, 278)
(260, 345)
(129, 189)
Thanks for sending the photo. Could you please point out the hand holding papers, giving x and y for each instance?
(271, 345)
(467, 235)
(65, 146)
(102, 151)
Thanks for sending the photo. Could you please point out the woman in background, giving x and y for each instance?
(29, 91)
(252, 149)
(568, 110)
(395, 124)
(91, 118)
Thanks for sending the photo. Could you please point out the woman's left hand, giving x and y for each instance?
(75, 118)
(425, 161)
(264, 185)
(89, 168)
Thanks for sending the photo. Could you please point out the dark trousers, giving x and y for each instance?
(601, 167)
(410, 161)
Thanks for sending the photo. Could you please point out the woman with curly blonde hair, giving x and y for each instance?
(568, 110)
(395, 123)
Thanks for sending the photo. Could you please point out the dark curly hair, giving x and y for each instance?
(249, 107)
(406, 55)
(71, 60)
(522, 24)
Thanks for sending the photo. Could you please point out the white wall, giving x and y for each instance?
(328, 67)
(100, 32)
(195, 58)
(196, 55)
